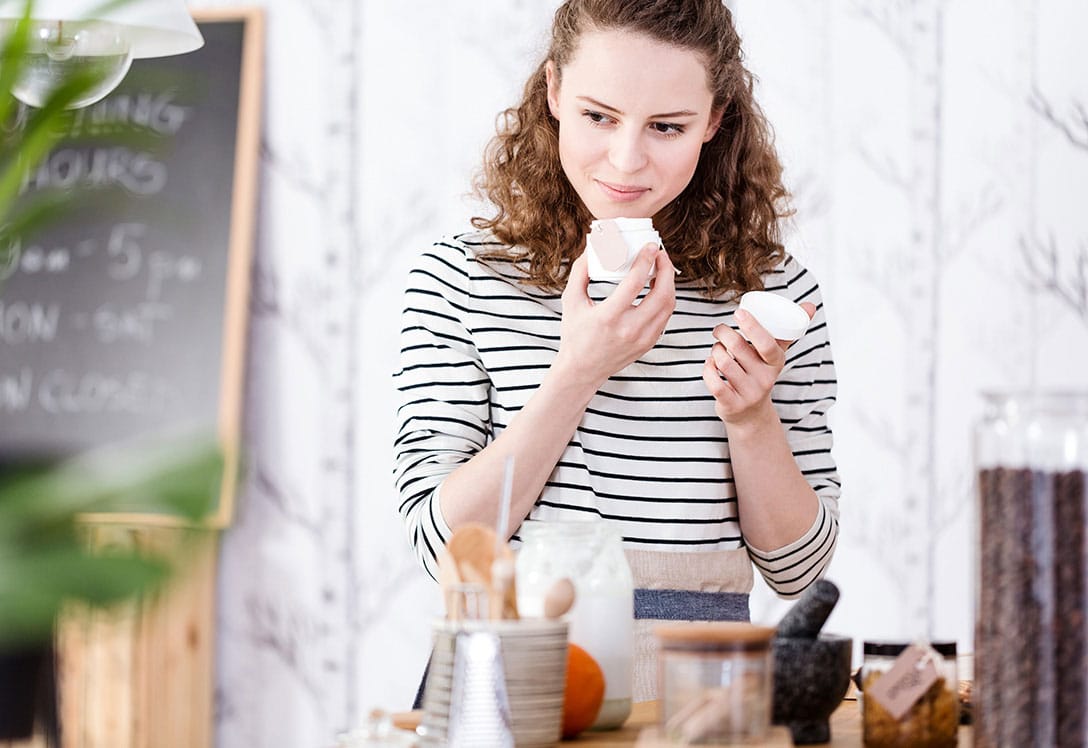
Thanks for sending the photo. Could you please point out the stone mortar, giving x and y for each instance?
(810, 678)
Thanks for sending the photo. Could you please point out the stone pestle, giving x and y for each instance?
(805, 619)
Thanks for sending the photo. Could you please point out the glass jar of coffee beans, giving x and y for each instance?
(1031, 640)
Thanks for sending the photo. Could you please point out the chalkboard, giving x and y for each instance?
(129, 318)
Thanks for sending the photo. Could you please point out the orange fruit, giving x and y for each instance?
(584, 691)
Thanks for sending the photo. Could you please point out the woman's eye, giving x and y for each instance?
(596, 117)
(667, 128)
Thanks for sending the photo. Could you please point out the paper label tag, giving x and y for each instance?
(911, 676)
(609, 244)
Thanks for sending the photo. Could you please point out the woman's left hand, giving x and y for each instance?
(740, 374)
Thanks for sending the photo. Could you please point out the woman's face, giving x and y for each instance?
(633, 115)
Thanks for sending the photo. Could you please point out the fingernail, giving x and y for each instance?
(740, 315)
(675, 269)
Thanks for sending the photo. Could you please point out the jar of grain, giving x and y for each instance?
(1031, 642)
(909, 695)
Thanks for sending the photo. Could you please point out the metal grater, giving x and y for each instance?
(479, 710)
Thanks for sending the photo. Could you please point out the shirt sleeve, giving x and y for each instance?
(804, 393)
(443, 418)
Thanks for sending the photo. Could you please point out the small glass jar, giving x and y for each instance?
(715, 681)
(602, 618)
(933, 720)
(377, 732)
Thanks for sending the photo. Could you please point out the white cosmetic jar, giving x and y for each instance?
(635, 232)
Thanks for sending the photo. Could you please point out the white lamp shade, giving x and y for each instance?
(155, 28)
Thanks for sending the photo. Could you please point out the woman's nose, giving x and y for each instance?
(626, 152)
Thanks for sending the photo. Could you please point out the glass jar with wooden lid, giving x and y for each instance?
(715, 681)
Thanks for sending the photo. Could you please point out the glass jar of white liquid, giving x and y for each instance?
(602, 618)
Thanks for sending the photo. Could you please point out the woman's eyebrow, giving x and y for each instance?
(664, 115)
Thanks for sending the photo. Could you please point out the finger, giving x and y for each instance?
(577, 288)
(660, 301)
(762, 341)
(727, 365)
(719, 388)
(738, 347)
(635, 280)
(745, 381)
(741, 365)
(727, 336)
(665, 275)
(747, 384)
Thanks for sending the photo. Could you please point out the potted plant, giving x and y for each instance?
(46, 562)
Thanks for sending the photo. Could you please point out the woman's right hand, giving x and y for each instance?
(598, 339)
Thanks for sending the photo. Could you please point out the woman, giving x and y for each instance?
(647, 408)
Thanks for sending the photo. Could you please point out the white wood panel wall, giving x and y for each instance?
(938, 152)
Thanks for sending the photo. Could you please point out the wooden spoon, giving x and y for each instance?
(448, 579)
(472, 546)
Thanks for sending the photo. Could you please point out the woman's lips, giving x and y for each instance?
(622, 193)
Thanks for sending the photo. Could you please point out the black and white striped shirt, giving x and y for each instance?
(650, 455)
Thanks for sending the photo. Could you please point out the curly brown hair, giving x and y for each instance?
(723, 228)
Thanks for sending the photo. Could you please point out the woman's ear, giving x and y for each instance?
(715, 122)
(551, 75)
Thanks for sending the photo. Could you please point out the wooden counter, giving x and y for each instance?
(845, 730)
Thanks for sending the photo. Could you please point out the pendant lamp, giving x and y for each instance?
(66, 35)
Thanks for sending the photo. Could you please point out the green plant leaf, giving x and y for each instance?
(15, 46)
(36, 209)
(176, 477)
(37, 583)
(44, 127)
(45, 557)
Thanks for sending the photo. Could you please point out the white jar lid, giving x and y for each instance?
(779, 316)
(628, 224)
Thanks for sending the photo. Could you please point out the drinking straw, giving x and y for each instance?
(504, 505)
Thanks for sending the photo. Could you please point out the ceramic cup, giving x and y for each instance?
(458, 698)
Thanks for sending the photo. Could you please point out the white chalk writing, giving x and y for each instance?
(135, 393)
(153, 111)
(137, 323)
(32, 259)
(22, 322)
(163, 266)
(124, 252)
(15, 390)
(137, 172)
